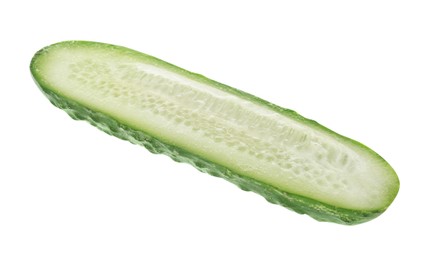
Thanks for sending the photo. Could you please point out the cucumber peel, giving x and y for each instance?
(260, 147)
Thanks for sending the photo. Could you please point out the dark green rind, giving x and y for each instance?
(300, 204)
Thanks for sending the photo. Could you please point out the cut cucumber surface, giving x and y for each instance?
(261, 147)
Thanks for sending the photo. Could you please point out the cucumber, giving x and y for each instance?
(260, 147)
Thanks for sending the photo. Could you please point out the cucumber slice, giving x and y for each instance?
(288, 159)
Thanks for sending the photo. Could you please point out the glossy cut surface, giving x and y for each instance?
(288, 159)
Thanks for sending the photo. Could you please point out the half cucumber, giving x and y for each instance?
(261, 147)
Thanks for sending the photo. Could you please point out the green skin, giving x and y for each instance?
(300, 204)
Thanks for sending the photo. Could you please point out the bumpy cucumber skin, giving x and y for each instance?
(300, 204)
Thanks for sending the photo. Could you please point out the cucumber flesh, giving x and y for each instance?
(275, 152)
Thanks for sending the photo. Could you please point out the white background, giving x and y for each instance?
(69, 191)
